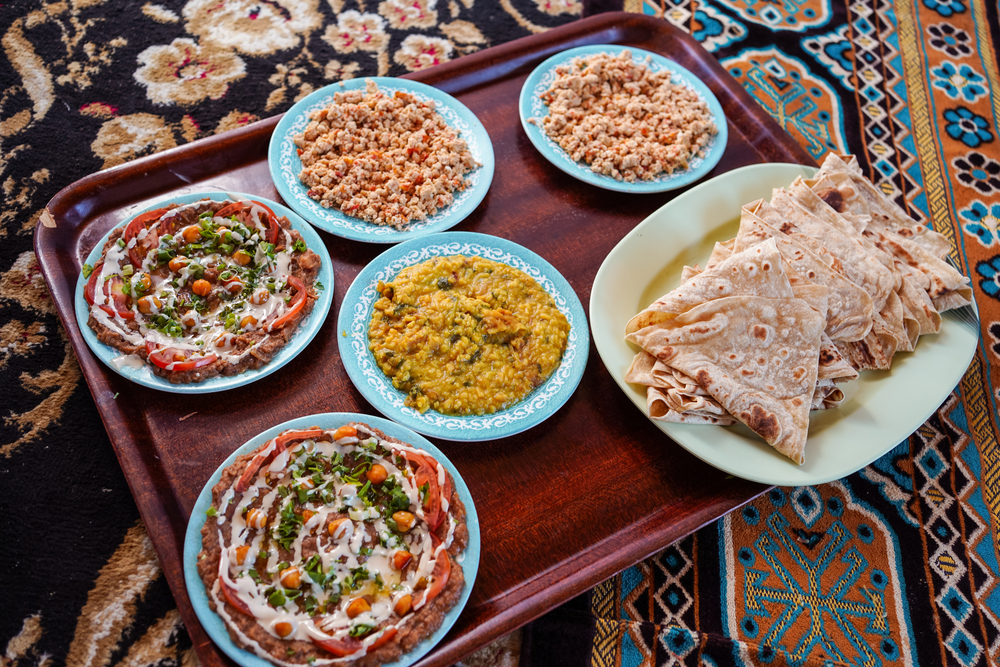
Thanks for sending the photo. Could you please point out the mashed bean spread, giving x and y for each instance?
(387, 159)
(333, 546)
(466, 335)
(623, 119)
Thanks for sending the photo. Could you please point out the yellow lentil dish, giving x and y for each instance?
(466, 335)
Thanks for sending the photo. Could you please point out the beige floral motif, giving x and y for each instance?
(159, 13)
(122, 139)
(16, 339)
(357, 32)
(556, 7)
(234, 120)
(409, 14)
(252, 26)
(81, 73)
(22, 198)
(420, 52)
(185, 72)
(339, 71)
(463, 32)
(24, 283)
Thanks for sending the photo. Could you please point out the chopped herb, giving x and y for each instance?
(423, 492)
(319, 286)
(87, 270)
(211, 511)
(365, 551)
(121, 243)
(360, 630)
(300, 245)
(127, 270)
(253, 575)
(277, 599)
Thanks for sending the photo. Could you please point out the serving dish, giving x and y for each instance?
(532, 110)
(305, 332)
(285, 165)
(216, 629)
(880, 409)
(656, 495)
(376, 387)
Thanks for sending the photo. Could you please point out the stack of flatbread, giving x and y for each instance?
(827, 279)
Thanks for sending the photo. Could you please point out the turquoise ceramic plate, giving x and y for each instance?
(356, 312)
(880, 409)
(530, 106)
(307, 330)
(285, 165)
(216, 629)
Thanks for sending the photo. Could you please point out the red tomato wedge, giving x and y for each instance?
(233, 598)
(294, 306)
(138, 252)
(351, 645)
(262, 459)
(273, 226)
(426, 473)
(114, 287)
(165, 356)
(439, 576)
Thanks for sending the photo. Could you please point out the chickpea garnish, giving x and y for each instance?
(334, 526)
(201, 287)
(248, 322)
(260, 297)
(290, 577)
(283, 628)
(149, 304)
(242, 257)
(377, 474)
(256, 518)
(234, 285)
(191, 233)
(358, 606)
(306, 515)
(404, 520)
(142, 281)
(403, 605)
(241, 553)
(178, 263)
(401, 559)
(345, 432)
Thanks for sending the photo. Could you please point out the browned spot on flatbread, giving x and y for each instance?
(799, 373)
(748, 373)
(759, 332)
(833, 198)
(666, 353)
(762, 422)
(810, 274)
(703, 378)
(699, 330)
(826, 357)
(796, 401)
(761, 361)
(787, 227)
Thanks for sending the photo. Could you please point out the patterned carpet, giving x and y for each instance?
(894, 565)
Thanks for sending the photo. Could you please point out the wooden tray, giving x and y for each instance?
(594, 489)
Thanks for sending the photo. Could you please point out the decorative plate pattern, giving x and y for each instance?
(307, 330)
(356, 312)
(285, 165)
(880, 409)
(531, 107)
(213, 624)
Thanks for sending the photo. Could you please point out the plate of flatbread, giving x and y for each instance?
(785, 324)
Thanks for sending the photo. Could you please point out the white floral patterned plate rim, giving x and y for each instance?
(880, 409)
(530, 106)
(356, 312)
(308, 327)
(212, 622)
(284, 163)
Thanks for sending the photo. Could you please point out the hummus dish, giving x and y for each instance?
(386, 159)
(204, 289)
(465, 335)
(333, 546)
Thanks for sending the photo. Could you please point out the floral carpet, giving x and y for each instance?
(894, 565)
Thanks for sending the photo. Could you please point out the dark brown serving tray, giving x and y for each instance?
(563, 506)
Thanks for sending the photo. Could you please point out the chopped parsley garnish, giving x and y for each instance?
(360, 630)
(87, 270)
(211, 511)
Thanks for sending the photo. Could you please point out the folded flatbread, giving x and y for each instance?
(757, 356)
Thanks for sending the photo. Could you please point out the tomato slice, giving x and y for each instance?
(116, 287)
(288, 436)
(165, 356)
(262, 459)
(426, 473)
(233, 598)
(152, 240)
(439, 576)
(273, 226)
(295, 305)
(351, 645)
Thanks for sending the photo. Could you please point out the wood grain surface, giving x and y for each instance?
(562, 506)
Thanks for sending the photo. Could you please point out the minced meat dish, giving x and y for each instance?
(333, 546)
(204, 289)
(386, 159)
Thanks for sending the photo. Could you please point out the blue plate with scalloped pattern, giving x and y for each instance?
(285, 165)
(532, 110)
(376, 387)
